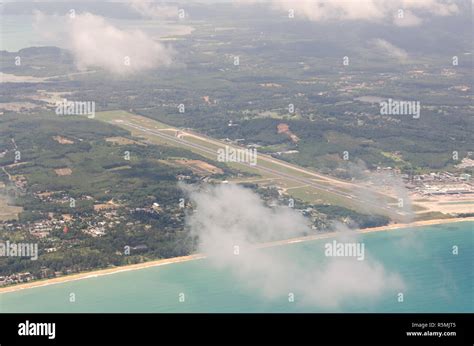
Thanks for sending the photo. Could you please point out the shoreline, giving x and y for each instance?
(165, 261)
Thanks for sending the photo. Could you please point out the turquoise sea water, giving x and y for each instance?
(435, 279)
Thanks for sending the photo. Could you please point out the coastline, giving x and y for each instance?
(160, 262)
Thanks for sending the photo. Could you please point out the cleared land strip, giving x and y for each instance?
(271, 171)
(276, 162)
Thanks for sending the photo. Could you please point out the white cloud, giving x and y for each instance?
(386, 48)
(435, 7)
(94, 42)
(367, 10)
(320, 10)
(149, 9)
(407, 19)
(227, 216)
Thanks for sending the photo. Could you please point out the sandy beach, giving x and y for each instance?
(108, 271)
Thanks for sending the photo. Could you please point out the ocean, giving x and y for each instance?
(436, 280)
(23, 31)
